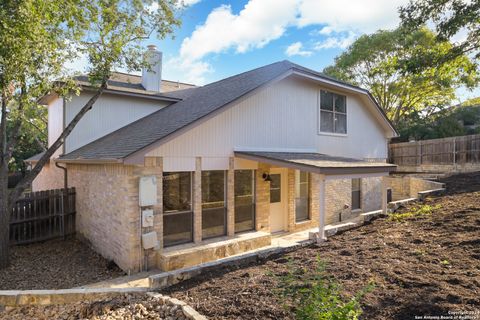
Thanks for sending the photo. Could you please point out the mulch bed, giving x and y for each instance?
(423, 266)
(55, 264)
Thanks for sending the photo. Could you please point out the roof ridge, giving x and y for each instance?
(245, 72)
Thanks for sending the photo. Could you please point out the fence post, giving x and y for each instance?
(421, 152)
(454, 151)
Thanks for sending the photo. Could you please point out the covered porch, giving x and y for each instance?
(270, 196)
(321, 168)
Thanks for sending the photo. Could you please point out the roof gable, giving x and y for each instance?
(197, 104)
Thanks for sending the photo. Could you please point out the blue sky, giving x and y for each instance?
(222, 38)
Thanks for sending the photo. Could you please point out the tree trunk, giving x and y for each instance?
(28, 179)
(4, 217)
(8, 199)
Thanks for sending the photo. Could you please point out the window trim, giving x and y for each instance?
(319, 117)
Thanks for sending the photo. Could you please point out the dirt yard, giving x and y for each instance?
(55, 264)
(422, 266)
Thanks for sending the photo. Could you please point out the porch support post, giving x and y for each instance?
(321, 209)
(231, 198)
(384, 195)
(197, 201)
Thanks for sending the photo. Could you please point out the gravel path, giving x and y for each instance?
(55, 264)
(126, 307)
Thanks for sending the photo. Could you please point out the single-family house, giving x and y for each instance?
(171, 175)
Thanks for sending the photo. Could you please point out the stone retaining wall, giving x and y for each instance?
(404, 187)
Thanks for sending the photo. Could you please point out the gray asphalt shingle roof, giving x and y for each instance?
(131, 83)
(35, 157)
(197, 103)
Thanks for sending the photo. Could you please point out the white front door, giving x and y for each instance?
(278, 200)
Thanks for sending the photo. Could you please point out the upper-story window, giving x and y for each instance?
(333, 113)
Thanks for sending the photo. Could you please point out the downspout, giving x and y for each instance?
(65, 175)
(65, 196)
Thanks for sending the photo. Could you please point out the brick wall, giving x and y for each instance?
(262, 205)
(50, 177)
(338, 194)
(314, 196)
(404, 187)
(108, 215)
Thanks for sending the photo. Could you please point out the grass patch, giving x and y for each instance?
(314, 295)
(422, 210)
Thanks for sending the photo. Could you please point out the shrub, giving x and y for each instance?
(317, 296)
(415, 212)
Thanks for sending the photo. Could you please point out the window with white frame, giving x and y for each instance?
(333, 113)
(356, 193)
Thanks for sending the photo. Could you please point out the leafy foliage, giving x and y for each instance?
(37, 39)
(316, 296)
(32, 139)
(449, 17)
(454, 121)
(423, 210)
(375, 62)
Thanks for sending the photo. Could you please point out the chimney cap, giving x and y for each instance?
(152, 47)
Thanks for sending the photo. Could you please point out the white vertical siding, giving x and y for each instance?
(55, 122)
(110, 112)
(280, 117)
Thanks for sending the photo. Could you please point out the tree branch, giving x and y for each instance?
(27, 180)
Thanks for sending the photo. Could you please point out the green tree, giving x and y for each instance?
(375, 62)
(449, 17)
(32, 139)
(37, 38)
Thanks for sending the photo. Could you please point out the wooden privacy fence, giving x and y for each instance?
(446, 151)
(43, 215)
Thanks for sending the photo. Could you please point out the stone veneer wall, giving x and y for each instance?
(108, 215)
(50, 177)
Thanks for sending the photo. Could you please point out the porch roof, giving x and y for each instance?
(317, 162)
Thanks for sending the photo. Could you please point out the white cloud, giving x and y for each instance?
(362, 16)
(255, 26)
(187, 71)
(326, 30)
(189, 3)
(295, 49)
(341, 42)
(262, 21)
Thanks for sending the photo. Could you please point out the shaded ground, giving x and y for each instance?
(55, 264)
(423, 266)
